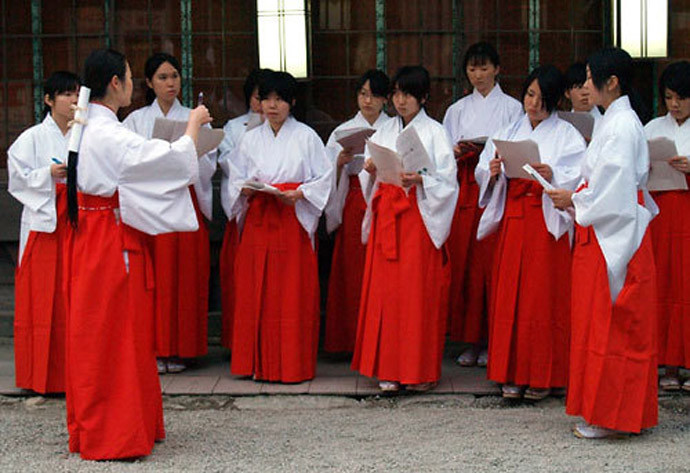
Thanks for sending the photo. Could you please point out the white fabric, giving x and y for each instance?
(438, 193)
(668, 127)
(141, 121)
(234, 131)
(475, 115)
(151, 176)
(561, 146)
(30, 182)
(615, 167)
(341, 186)
(295, 154)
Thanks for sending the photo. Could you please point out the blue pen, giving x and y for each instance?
(56, 160)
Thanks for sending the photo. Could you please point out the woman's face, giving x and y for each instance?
(166, 82)
(61, 105)
(534, 104)
(579, 97)
(595, 95)
(678, 107)
(406, 105)
(368, 103)
(127, 88)
(275, 109)
(482, 76)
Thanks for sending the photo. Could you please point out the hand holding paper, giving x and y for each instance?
(516, 154)
(663, 176)
(537, 177)
(171, 130)
(354, 139)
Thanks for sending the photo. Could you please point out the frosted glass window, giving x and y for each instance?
(282, 30)
(642, 27)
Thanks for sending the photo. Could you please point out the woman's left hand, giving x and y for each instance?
(544, 170)
(680, 163)
(409, 179)
(562, 198)
(291, 197)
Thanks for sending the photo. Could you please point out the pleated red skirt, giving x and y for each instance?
(276, 319)
(40, 310)
(347, 269)
(404, 306)
(228, 251)
(530, 310)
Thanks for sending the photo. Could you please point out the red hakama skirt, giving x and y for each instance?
(228, 251)
(670, 232)
(347, 269)
(530, 311)
(114, 406)
(40, 311)
(402, 316)
(182, 268)
(613, 355)
(276, 319)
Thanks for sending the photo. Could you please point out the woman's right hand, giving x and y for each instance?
(495, 166)
(344, 157)
(197, 118)
(58, 171)
(369, 166)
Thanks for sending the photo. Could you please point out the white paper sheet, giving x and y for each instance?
(662, 176)
(171, 130)
(261, 187)
(537, 177)
(354, 138)
(388, 164)
(583, 121)
(412, 153)
(516, 154)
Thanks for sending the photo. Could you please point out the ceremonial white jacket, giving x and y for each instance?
(234, 131)
(438, 193)
(668, 127)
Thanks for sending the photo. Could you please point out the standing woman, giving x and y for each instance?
(481, 114)
(181, 260)
(670, 231)
(613, 355)
(276, 318)
(37, 172)
(127, 187)
(529, 322)
(345, 211)
(404, 303)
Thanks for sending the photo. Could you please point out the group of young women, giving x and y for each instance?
(551, 288)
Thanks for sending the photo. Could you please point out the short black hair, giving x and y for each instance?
(576, 75)
(379, 83)
(58, 83)
(551, 83)
(676, 77)
(99, 69)
(282, 83)
(413, 80)
(479, 54)
(152, 65)
(252, 82)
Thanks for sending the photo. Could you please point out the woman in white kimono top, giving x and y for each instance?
(181, 259)
(529, 321)
(36, 169)
(128, 187)
(578, 94)
(276, 317)
(345, 211)
(402, 318)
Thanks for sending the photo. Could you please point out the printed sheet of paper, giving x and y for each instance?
(583, 121)
(412, 153)
(538, 177)
(662, 176)
(388, 164)
(516, 155)
(255, 119)
(171, 130)
(354, 138)
(261, 187)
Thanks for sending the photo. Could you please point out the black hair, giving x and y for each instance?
(58, 83)
(479, 54)
(256, 77)
(413, 80)
(576, 75)
(152, 65)
(282, 83)
(613, 61)
(551, 83)
(379, 83)
(676, 77)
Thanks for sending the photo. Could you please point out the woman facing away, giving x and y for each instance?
(37, 168)
(181, 260)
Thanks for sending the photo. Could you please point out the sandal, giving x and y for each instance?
(421, 387)
(537, 394)
(389, 386)
(162, 367)
(483, 358)
(467, 358)
(686, 385)
(669, 383)
(583, 430)
(511, 391)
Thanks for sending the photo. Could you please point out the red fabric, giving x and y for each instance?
(40, 311)
(670, 232)
(228, 251)
(347, 269)
(114, 407)
(182, 268)
(530, 310)
(470, 260)
(613, 357)
(276, 319)
(402, 316)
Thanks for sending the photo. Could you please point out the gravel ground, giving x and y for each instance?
(335, 434)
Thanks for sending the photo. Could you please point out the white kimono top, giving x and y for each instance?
(561, 146)
(142, 120)
(30, 182)
(151, 176)
(475, 115)
(438, 193)
(336, 202)
(615, 167)
(668, 127)
(234, 131)
(295, 154)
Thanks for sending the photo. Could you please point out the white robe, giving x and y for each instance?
(475, 115)
(561, 146)
(336, 202)
(615, 167)
(438, 193)
(668, 127)
(30, 182)
(151, 176)
(234, 131)
(295, 154)
(142, 120)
